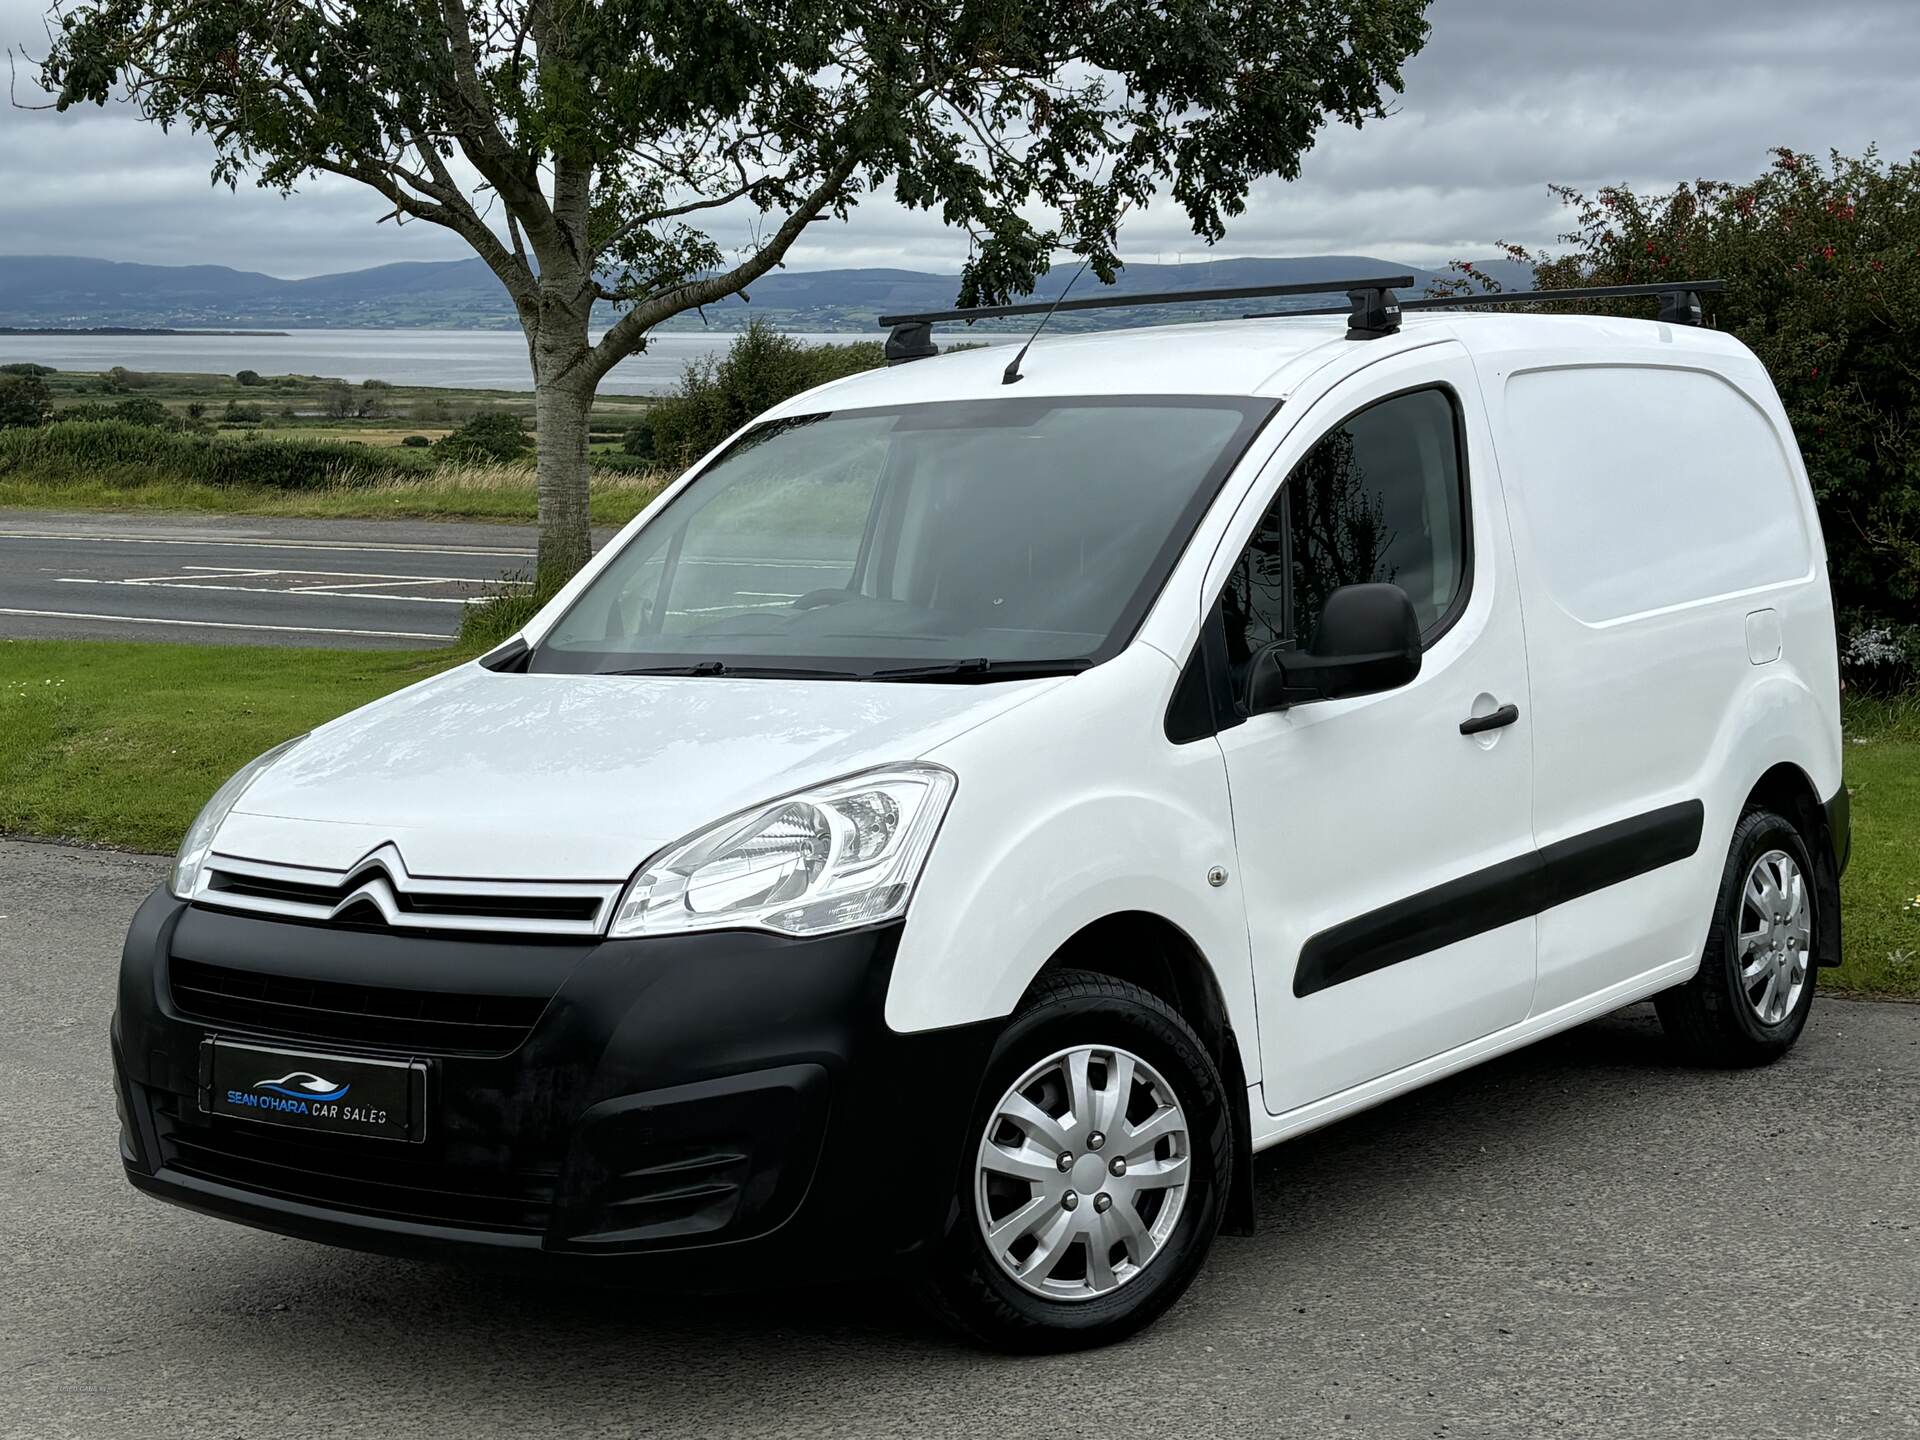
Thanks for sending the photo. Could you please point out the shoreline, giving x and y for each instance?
(119, 331)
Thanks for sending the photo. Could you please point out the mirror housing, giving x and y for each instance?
(1368, 641)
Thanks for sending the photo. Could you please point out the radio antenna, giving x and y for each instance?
(1012, 375)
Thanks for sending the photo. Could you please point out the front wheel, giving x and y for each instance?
(1753, 992)
(1097, 1163)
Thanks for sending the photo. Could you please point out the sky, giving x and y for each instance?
(1507, 97)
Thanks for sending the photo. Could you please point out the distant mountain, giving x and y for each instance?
(74, 292)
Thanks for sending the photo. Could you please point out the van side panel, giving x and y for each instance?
(1662, 520)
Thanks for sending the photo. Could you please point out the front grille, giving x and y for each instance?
(379, 891)
(582, 909)
(384, 1178)
(413, 1020)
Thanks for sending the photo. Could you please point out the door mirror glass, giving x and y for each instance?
(1368, 640)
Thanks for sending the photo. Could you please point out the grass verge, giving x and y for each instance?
(453, 492)
(120, 743)
(1881, 894)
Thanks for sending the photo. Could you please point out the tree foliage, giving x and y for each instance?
(719, 394)
(491, 436)
(580, 148)
(25, 401)
(1822, 263)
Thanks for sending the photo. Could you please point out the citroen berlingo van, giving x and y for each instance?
(979, 808)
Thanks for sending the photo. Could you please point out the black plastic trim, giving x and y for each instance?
(510, 659)
(1840, 828)
(688, 1110)
(1499, 895)
(1496, 720)
(1203, 701)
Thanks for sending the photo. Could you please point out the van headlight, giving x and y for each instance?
(834, 857)
(199, 837)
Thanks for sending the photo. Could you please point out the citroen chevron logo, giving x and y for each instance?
(378, 873)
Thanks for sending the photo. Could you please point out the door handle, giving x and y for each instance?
(1496, 720)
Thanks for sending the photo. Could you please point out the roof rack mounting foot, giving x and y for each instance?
(1681, 307)
(911, 340)
(1375, 314)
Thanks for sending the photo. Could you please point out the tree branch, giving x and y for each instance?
(511, 270)
(632, 327)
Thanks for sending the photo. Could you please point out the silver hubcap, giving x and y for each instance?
(1776, 933)
(1082, 1172)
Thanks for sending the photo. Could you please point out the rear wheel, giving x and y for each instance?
(1096, 1167)
(1751, 997)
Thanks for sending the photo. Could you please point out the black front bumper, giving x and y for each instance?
(703, 1110)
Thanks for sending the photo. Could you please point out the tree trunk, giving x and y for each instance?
(562, 405)
(560, 414)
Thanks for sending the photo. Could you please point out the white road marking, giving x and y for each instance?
(222, 572)
(369, 575)
(344, 584)
(395, 547)
(370, 548)
(342, 587)
(256, 590)
(340, 575)
(223, 624)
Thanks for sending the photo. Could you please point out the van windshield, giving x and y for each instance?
(959, 539)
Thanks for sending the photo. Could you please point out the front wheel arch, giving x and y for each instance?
(1141, 948)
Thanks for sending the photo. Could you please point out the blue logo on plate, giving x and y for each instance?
(304, 1085)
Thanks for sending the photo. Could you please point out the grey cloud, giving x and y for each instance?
(1506, 98)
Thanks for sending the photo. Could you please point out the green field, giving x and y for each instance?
(311, 447)
(314, 406)
(119, 744)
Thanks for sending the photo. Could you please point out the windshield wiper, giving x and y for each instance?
(983, 670)
(751, 672)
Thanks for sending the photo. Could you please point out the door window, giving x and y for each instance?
(1380, 498)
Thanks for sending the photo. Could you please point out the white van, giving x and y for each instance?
(971, 814)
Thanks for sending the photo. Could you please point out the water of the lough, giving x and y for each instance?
(464, 359)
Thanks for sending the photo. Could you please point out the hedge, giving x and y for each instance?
(116, 452)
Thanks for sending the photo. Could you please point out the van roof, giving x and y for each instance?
(1263, 357)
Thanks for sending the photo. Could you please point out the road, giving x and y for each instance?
(1579, 1240)
(248, 579)
(227, 580)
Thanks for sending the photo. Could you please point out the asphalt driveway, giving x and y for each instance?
(1582, 1239)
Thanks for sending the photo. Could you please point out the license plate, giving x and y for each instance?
(330, 1094)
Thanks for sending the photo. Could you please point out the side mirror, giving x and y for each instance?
(1368, 640)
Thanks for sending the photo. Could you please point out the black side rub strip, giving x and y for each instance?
(1499, 895)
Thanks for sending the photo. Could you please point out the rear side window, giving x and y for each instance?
(1378, 498)
(1646, 488)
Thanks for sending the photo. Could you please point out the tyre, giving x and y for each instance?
(1096, 1168)
(1750, 999)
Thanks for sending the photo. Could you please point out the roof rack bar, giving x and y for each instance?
(1681, 299)
(1162, 297)
(1586, 292)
